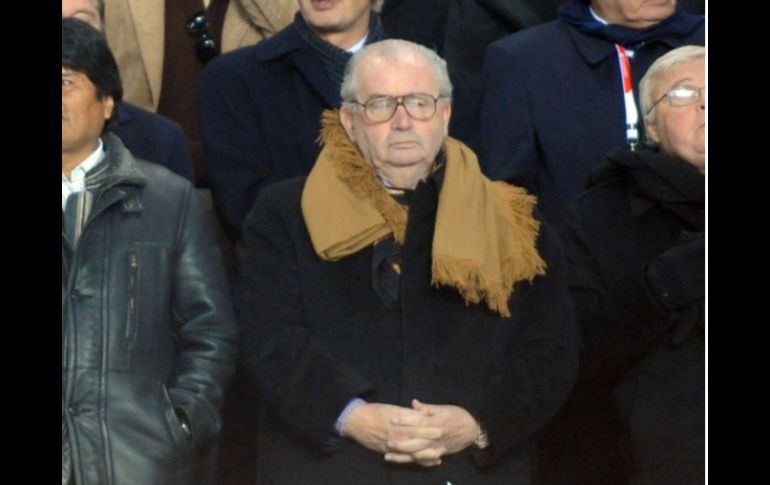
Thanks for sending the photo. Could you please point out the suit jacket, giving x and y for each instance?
(134, 30)
(260, 109)
(316, 334)
(552, 107)
(154, 138)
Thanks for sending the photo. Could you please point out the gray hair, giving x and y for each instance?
(377, 5)
(680, 55)
(394, 50)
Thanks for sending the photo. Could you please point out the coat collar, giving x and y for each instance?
(654, 179)
(595, 50)
(288, 44)
(122, 167)
(279, 45)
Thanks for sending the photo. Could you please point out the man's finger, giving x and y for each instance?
(429, 454)
(398, 457)
(405, 431)
(413, 419)
(409, 445)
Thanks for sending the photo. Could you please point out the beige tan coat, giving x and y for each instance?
(134, 30)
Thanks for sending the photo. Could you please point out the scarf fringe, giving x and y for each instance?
(358, 174)
(527, 264)
(467, 277)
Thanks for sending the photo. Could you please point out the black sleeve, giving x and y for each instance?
(296, 374)
(206, 334)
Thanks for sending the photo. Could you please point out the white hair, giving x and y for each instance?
(395, 50)
(680, 55)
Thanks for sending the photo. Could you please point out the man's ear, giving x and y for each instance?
(651, 129)
(109, 107)
(346, 118)
(447, 114)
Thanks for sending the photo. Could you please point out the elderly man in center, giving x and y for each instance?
(406, 319)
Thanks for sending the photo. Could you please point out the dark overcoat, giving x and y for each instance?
(316, 335)
(644, 353)
(260, 114)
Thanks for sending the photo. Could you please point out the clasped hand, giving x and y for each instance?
(421, 434)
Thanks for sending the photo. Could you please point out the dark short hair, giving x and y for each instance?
(84, 49)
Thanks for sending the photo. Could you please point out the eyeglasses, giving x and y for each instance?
(205, 47)
(419, 106)
(680, 96)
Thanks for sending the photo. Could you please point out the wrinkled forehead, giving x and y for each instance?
(396, 76)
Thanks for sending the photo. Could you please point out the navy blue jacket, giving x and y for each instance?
(260, 114)
(552, 107)
(154, 138)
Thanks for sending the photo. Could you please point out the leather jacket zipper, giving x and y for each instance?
(133, 271)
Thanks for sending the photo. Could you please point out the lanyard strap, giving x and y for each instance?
(632, 116)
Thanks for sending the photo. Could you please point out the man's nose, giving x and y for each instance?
(401, 119)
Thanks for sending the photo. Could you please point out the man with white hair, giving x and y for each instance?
(636, 248)
(406, 318)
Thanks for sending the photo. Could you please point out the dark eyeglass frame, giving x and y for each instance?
(668, 94)
(205, 47)
(400, 101)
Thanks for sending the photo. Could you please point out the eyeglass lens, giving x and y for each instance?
(685, 95)
(419, 106)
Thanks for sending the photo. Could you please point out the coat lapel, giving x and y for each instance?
(149, 25)
(312, 70)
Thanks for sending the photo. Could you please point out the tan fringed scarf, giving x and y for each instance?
(484, 239)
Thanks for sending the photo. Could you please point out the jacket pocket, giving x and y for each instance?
(131, 310)
(149, 325)
(180, 439)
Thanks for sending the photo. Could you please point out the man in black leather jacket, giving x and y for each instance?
(147, 325)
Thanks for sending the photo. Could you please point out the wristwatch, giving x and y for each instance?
(482, 440)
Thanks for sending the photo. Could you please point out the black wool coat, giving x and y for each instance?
(646, 357)
(316, 334)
